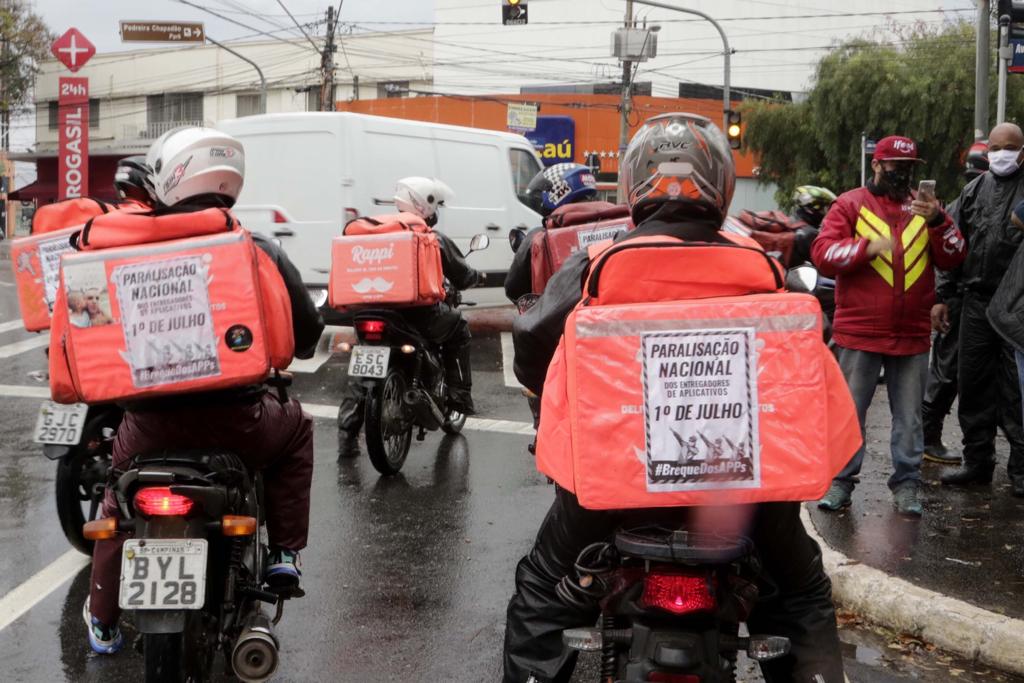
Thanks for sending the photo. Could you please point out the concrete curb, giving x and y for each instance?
(950, 624)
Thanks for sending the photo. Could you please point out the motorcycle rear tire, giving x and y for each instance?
(163, 657)
(68, 489)
(387, 454)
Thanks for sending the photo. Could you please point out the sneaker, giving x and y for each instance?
(837, 498)
(104, 640)
(937, 452)
(907, 502)
(284, 569)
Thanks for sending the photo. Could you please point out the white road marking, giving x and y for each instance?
(476, 424)
(24, 345)
(6, 284)
(11, 325)
(508, 354)
(324, 349)
(34, 590)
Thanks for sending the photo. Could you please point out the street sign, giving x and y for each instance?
(162, 32)
(869, 146)
(73, 49)
(522, 116)
(513, 12)
(73, 137)
(1016, 65)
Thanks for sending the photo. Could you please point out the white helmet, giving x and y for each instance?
(422, 196)
(189, 162)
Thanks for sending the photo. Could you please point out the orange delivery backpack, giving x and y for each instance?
(36, 258)
(705, 385)
(175, 303)
(575, 227)
(392, 260)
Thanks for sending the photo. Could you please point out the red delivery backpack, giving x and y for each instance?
(571, 228)
(693, 387)
(773, 230)
(155, 305)
(36, 258)
(392, 260)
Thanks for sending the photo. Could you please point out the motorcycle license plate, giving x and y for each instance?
(60, 424)
(165, 574)
(369, 361)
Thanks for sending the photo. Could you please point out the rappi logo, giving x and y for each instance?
(374, 256)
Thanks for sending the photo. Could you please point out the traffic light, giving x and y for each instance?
(734, 128)
(513, 12)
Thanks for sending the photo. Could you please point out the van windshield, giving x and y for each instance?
(524, 167)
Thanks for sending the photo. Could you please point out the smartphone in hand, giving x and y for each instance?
(926, 190)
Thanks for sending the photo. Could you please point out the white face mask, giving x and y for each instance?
(1003, 162)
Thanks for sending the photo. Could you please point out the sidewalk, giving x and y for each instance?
(969, 545)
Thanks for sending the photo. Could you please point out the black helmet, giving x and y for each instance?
(976, 161)
(132, 181)
(559, 185)
(680, 158)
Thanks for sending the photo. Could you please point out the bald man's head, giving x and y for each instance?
(1006, 136)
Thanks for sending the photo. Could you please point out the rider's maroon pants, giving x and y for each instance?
(267, 434)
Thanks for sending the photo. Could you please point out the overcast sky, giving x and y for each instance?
(98, 19)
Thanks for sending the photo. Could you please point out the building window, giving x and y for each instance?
(53, 115)
(392, 89)
(248, 105)
(171, 110)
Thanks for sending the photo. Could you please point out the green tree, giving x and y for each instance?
(918, 82)
(24, 42)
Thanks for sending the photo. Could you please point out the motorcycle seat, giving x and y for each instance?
(682, 546)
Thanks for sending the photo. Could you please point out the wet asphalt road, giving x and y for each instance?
(407, 577)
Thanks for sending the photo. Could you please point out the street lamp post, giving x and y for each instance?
(263, 81)
(726, 100)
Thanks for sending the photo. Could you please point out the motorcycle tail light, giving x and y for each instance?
(159, 501)
(665, 677)
(679, 593)
(371, 330)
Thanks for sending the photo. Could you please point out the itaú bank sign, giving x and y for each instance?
(73, 147)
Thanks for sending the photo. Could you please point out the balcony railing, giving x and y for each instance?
(155, 129)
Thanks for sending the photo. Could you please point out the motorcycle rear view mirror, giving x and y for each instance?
(479, 243)
(515, 238)
(802, 279)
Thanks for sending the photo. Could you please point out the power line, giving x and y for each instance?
(233, 21)
(281, 3)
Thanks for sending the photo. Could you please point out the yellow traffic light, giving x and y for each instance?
(734, 130)
(513, 2)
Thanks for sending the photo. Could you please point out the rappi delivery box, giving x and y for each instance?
(170, 317)
(386, 260)
(552, 246)
(36, 261)
(710, 401)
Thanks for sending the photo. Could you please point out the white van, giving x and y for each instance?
(307, 174)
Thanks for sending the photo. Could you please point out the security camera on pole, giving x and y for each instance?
(73, 50)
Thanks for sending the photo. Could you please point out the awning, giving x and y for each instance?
(42, 191)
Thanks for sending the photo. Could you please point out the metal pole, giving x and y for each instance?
(627, 72)
(726, 99)
(263, 81)
(1004, 63)
(863, 154)
(981, 63)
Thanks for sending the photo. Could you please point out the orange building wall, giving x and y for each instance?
(596, 116)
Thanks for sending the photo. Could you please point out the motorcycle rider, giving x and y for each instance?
(550, 191)
(810, 204)
(941, 390)
(802, 610)
(132, 183)
(192, 172)
(441, 323)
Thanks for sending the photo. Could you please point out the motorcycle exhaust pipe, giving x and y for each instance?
(254, 657)
(423, 407)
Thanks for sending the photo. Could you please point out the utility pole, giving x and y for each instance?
(1005, 55)
(327, 65)
(981, 64)
(626, 105)
(5, 111)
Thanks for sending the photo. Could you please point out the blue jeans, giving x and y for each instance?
(906, 377)
(1020, 376)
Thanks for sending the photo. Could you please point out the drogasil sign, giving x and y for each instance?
(73, 135)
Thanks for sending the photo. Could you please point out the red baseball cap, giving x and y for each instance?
(896, 148)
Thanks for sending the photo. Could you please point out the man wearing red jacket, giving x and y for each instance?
(881, 242)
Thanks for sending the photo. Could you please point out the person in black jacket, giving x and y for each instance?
(802, 609)
(989, 391)
(441, 323)
(550, 191)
